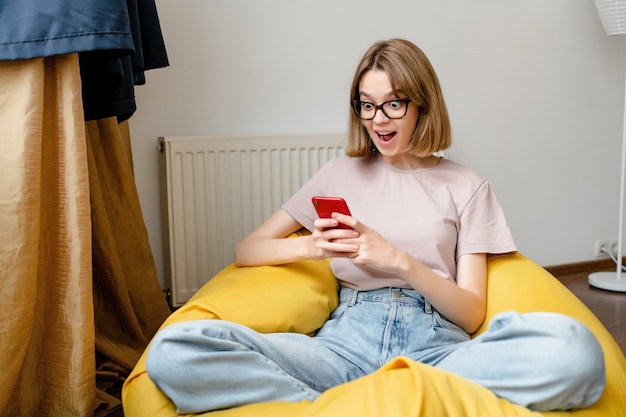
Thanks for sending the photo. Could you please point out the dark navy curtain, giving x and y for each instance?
(117, 40)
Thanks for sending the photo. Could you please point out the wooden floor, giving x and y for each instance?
(608, 306)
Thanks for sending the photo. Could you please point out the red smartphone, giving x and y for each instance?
(325, 206)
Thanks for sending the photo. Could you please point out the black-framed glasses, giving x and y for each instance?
(393, 109)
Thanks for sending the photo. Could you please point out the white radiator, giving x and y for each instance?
(217, 190)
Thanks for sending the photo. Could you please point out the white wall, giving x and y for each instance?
(534, 89)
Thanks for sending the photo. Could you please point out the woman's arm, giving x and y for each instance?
(464, 303)
(267, 244)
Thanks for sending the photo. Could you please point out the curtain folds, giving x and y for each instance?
(128, 302)
(79, 293)
(47, 325)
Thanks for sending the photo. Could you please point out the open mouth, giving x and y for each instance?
(386, 137)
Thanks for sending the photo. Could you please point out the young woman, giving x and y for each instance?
(412, 271)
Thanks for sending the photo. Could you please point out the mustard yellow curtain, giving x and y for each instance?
(79, 294)
(128, 302)
(46, 326)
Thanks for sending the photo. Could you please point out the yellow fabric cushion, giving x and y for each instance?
(404, 388)
(296, 297)
(517, 283)
(291, 298)
(299, 297)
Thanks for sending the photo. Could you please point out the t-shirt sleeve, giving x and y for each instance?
(299, 205)
(482, 225)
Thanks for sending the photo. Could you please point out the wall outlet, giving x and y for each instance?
(607, 243)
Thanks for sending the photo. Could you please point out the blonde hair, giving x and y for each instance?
(411, 73)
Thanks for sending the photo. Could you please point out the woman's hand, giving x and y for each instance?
(368, 247)
(463, 302)
(329, 241)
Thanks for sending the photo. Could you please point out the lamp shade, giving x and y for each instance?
(613, 16)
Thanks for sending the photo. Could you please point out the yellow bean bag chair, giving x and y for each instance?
(299, 298)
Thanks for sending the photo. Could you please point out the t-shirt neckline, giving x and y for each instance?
(379, 160)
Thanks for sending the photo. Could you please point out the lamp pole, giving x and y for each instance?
(613, 16)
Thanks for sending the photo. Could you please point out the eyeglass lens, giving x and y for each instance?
(393, 109)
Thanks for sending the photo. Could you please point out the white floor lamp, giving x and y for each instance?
(613, 16)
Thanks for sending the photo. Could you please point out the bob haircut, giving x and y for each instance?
(411, 74)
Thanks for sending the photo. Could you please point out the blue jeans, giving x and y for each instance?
(543, 361)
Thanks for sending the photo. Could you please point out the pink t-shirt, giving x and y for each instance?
(436, 214)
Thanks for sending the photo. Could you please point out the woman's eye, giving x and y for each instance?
(395, 104)
(366, 106)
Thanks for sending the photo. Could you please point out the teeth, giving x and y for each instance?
(386, 137)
